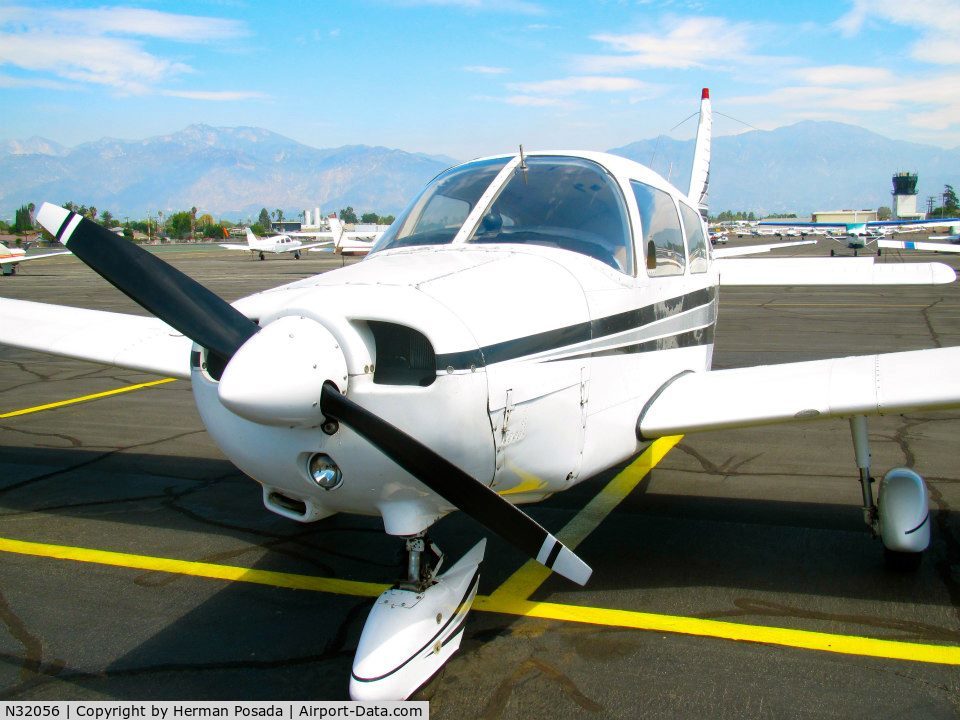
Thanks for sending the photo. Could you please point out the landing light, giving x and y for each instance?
(324, 471)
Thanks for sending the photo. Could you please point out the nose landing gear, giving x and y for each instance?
(415, 627)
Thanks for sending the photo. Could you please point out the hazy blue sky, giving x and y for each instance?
(474, 77)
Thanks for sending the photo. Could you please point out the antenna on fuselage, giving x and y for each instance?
(522, 167)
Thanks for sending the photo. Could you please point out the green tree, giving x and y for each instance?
(278, 214)
(23, 219)
(387, 219)
(950, 205)
(178, 224)
(348, 215)
(264, 219)
(106, 219)
(884, 213)
(370, 218)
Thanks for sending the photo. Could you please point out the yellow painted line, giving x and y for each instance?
(85, 398)
(525, 581)
(194, 569)
(607, 617)
(785, 637)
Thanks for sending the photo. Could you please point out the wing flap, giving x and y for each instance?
(841, 387)
(830, 271)
(127, 341)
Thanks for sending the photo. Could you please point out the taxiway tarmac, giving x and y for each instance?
(761, 528)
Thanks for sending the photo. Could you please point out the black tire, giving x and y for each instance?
(833, 253)
(902, 561)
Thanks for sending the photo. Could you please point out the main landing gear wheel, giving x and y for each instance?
(296, 255)
(833, 253)
(901, 515)
(262, 257)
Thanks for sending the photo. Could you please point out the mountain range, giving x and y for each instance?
(233, 172)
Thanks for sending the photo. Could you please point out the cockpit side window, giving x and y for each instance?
(662, 236)
(563, 202)
(696, 242)
(436, 215)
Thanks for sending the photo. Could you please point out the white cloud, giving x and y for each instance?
(533, 101)
(843, 75)
(935, 19)
(931, 103)
(101, 46)
(679, 43)
(114, 62)
(148, 23)
(578, 84)
(214, 95)
(521, 7)
(486, 69)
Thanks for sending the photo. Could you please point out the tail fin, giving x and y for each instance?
(336, 227)
(700, 174)
(251, 238)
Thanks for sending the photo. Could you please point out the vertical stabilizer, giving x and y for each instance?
(700, 174)
(251, 238)
(336, 227)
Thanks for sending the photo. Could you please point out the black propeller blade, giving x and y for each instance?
(459, 489)
(175, 298)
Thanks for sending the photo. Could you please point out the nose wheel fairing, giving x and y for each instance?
(411, 632)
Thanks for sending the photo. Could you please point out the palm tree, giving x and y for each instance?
(278, 214)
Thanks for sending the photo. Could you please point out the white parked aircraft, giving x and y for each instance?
(857, 235)
(534, 315)
(345, 242)
(10, 258)
(274, 244)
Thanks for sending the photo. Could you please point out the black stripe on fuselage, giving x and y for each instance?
(689, 338)
(574, 334)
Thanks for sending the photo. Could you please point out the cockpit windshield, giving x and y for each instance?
(440, 210)
(554, 201)
(564, 202)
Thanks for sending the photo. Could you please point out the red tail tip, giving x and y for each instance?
(705, 94)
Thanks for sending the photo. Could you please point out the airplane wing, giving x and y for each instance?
(310, 246)
(755, 249)
(830, 271)
(27, 258)
(235, 246)
(910, 245)
(128, 341)
(841, 387)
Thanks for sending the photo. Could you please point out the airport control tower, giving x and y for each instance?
(905, 196)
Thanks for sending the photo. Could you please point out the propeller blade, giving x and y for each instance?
(456, 487)
(177, 299)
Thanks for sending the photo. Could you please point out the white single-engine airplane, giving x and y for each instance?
(345, 242)
(275, 244)
(609, 291)
(10, 258)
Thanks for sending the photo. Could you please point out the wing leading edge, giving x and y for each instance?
(127, 341)
(841, 387)
(830, 271)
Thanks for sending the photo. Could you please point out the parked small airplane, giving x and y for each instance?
(274, 244)
(10, 258)
(609, 293)
(345, 242)
(858, 235)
